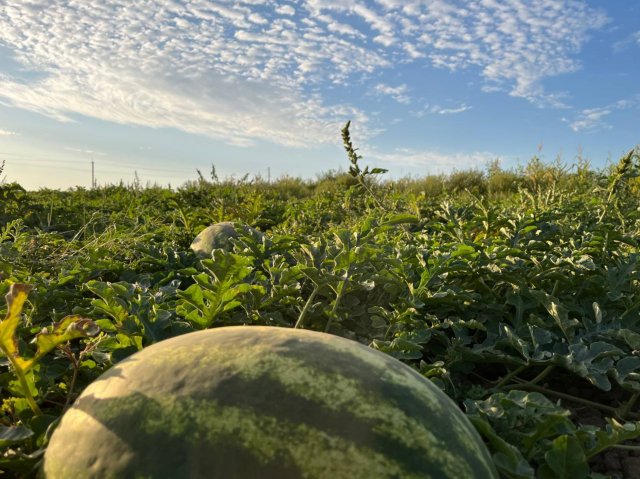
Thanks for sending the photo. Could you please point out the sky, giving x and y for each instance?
(158, 89)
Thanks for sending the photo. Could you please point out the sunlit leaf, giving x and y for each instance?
(16, 298)
(70, 327)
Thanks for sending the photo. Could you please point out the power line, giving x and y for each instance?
(80, 163)
(129, 171)
(25, 159)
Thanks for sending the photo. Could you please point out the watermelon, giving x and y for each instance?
(218, 236)
(264, 402)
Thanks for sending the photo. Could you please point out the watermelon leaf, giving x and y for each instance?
(13, 435)
(565, 460)
(69, 328)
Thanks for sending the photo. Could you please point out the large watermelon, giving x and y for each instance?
(255, 402)
(219, 235)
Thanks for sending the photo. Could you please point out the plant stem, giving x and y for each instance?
(342, 286)
(545, 372)
(307, 305)
(599, 449)
(371, 193)
(340, 290)
(74, 377)
(542, 375)
(509, 376)
(611, 410)
(629, 404)
(25, 386)
(355, 170)
(626, 448)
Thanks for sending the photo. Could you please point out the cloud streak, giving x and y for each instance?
(591, 119)
(398, 93)
(250, 70)
(84, 151)
(450, 111)
(439, 110)
(432, 161)
(632, 40)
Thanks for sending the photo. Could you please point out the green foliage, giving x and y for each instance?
(515, 291)
(354, 169)
(527, 427)
(71, 327)
(471, 180)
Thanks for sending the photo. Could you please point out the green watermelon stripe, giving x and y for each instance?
(167, 422)
(282, 404)
(316, 382)
(315, 374)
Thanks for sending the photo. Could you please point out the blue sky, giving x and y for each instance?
(162, 87)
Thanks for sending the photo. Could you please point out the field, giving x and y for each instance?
(516, 291)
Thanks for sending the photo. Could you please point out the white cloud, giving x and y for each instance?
(340, 28)
(285, 10)
(433, 162)
(412, 51)
(594, 118)
(398, 93)
(178, 67)
(631, 40)
(516, 45)
(439, 110)
(590, 118)
(7, 133)
(244, 71)
(85, 151)
(451, 111)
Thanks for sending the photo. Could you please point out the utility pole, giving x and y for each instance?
(269, 174)
(93, 174)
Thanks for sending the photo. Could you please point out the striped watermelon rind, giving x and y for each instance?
(264, 402)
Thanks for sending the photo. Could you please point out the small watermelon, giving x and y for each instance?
(257, 402)
(218, 236)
